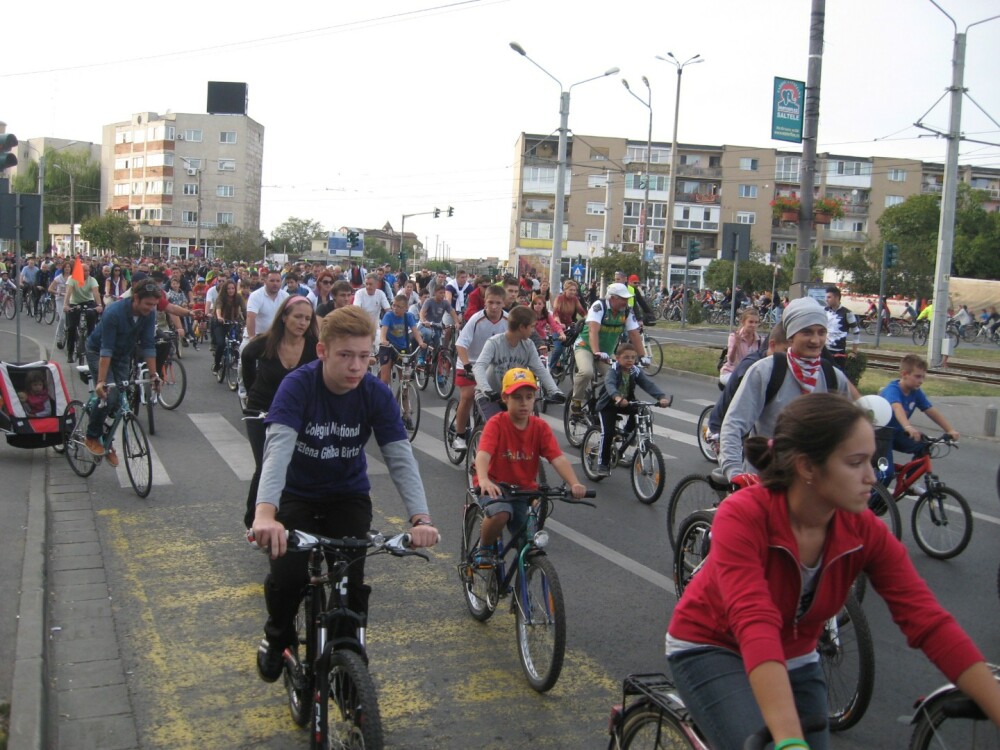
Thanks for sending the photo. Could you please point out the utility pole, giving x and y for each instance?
(197, 231)
(807, 168)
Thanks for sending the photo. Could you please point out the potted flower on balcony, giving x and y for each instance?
(786, 207)
(826, 210)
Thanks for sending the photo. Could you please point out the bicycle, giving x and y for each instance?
(708, 443)
(330, 688)
(530, 578)
(657, 718)
(648, 469)
(922, 329)
(173, 376)
(439, 364)
(135, 444)
(845, 646)
(83, 329)
(456, 455)
(653, 349)
(45, 308)
(8, 302)
(948, 718)
(230, 355)
(577, 424)
(565, 365)
(404, 390)
(941, 520)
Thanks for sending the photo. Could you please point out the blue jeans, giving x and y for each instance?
(431, 337)
(118, 371)
(713, 684)
(555, 354)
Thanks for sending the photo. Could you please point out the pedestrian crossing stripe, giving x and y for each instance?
(160, 476)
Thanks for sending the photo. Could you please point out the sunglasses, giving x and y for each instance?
(326, 281)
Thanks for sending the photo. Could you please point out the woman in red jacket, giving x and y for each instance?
(742, 640)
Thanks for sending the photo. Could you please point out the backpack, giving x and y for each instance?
(722, 358)
(780, 368)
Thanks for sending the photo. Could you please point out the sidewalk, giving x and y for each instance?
(68, 687)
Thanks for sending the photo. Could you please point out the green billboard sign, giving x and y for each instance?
(788, 105)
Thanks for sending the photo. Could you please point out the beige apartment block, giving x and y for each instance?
(179, 176)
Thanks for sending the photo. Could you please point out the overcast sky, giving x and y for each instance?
(376, 109)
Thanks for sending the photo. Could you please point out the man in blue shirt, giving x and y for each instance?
(905, 397)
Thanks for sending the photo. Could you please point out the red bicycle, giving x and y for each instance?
(941, 519)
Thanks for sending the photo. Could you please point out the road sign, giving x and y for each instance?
(577, 272)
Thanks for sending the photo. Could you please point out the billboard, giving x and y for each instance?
(788, 104)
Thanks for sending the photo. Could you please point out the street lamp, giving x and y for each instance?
(668, 241)
(644, 223)
(555, 277)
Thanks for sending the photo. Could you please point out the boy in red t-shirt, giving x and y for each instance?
(512, 444)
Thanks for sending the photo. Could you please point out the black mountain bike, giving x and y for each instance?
(329, 687)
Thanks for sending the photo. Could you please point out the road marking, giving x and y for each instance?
(702, 402)
(228, 442)
(157, 469)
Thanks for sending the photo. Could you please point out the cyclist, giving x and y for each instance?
(58, 290)
(315, 473)
(372, 300)
(836, 339)
(742, 640)
(606, 319)
(228, 308)
(510, 449)
(342, 297)
(751, 411)
(112, 345)
(28, 278)
(458, 294)
(432, 314)
(397, 328)
(477, 329)
(86, 293)
(262, 305)
(905, 396)
(614, 396)
(507, 350)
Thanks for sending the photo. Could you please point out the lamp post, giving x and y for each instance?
(644, 224)
(668, 240)
(555, 278)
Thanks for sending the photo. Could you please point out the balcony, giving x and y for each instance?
(856, 208)
(931, 189)
(695, 170)
(708, 198)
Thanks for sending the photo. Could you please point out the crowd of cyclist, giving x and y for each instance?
(742, 641)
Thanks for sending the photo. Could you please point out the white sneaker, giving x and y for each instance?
(459, 443)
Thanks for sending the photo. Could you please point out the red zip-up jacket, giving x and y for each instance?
(746, 596)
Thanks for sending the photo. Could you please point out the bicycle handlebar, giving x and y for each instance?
(511, 492)
(302, 541)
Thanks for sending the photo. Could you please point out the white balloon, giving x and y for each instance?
(878, 409)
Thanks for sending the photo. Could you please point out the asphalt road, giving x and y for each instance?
(186, 593)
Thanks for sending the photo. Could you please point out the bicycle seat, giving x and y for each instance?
(718, 479)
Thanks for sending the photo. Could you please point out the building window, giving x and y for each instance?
(539, 174)
(168, 187)
(190, 188)
(689, 160)
(706, 215)
(853, 168)
(121, 188)
(593, 235)
(595, 208)
(714, 162)
(598, 154)
(749, 165)
(857, 226)
(597, 180)
(536, 230)
(897, 175)
(158, 160)
(151, 214)
(659, 155)
(191, 135)
(787, 168)
(137, 188)
(225, 191)
(224, 217)
(227, 136)
(893, 200)
(227, 165)
(191, 163)
(635, 153)
(138, 161)
(748, 191)
(746, 217)
(189, 217)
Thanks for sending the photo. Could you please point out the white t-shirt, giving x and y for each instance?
(260, 303)
(373, 304)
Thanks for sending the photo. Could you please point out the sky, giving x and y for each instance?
(373, 110)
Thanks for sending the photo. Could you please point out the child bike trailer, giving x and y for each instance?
(33, 404)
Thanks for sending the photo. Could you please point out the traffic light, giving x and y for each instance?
(891, 254)
(694, 250)
(352, 240)
(402, 257)
(437, 212)
(451, 211)
(7, 142)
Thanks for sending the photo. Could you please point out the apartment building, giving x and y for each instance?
(610, 180)
(178, 176)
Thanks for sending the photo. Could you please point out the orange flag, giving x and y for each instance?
(78, 270)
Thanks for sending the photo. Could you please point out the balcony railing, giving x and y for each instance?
(698, 198)
(695, 170)
(931, 188)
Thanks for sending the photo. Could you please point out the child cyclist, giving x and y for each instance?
(615, 397)
(397, 329)
(742, 639)
(512, 444)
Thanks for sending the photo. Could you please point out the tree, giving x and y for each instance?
(754, 275)
(111, 232)
(616, 260)
(376, 254)
(238, 244)
(976, 252)
(294, 236)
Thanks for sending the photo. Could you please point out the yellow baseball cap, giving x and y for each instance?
(518, 377)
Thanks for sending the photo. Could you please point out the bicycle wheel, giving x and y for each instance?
(590, 454)
(575, 426)
(349, 714)
(39, 312)
(694, 539)
(173, 385)
(709, 448)
(971, 333)
(9, 307)
(49, 313)
(470, 456)
(540, 622)
(895, 328)
(220, 374)
(942, 523)
(420, 371)
(919, 335)
(883, 505)
(444, 375)
(693, 492)
(138, 459)
(953, 720)
(232, 373)
(648, 473)
(297, 679)
(655, 353)
(455, 455)
(408, 399)
(848, 658)
(81, 460)
(648, 727)
(479, 585)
